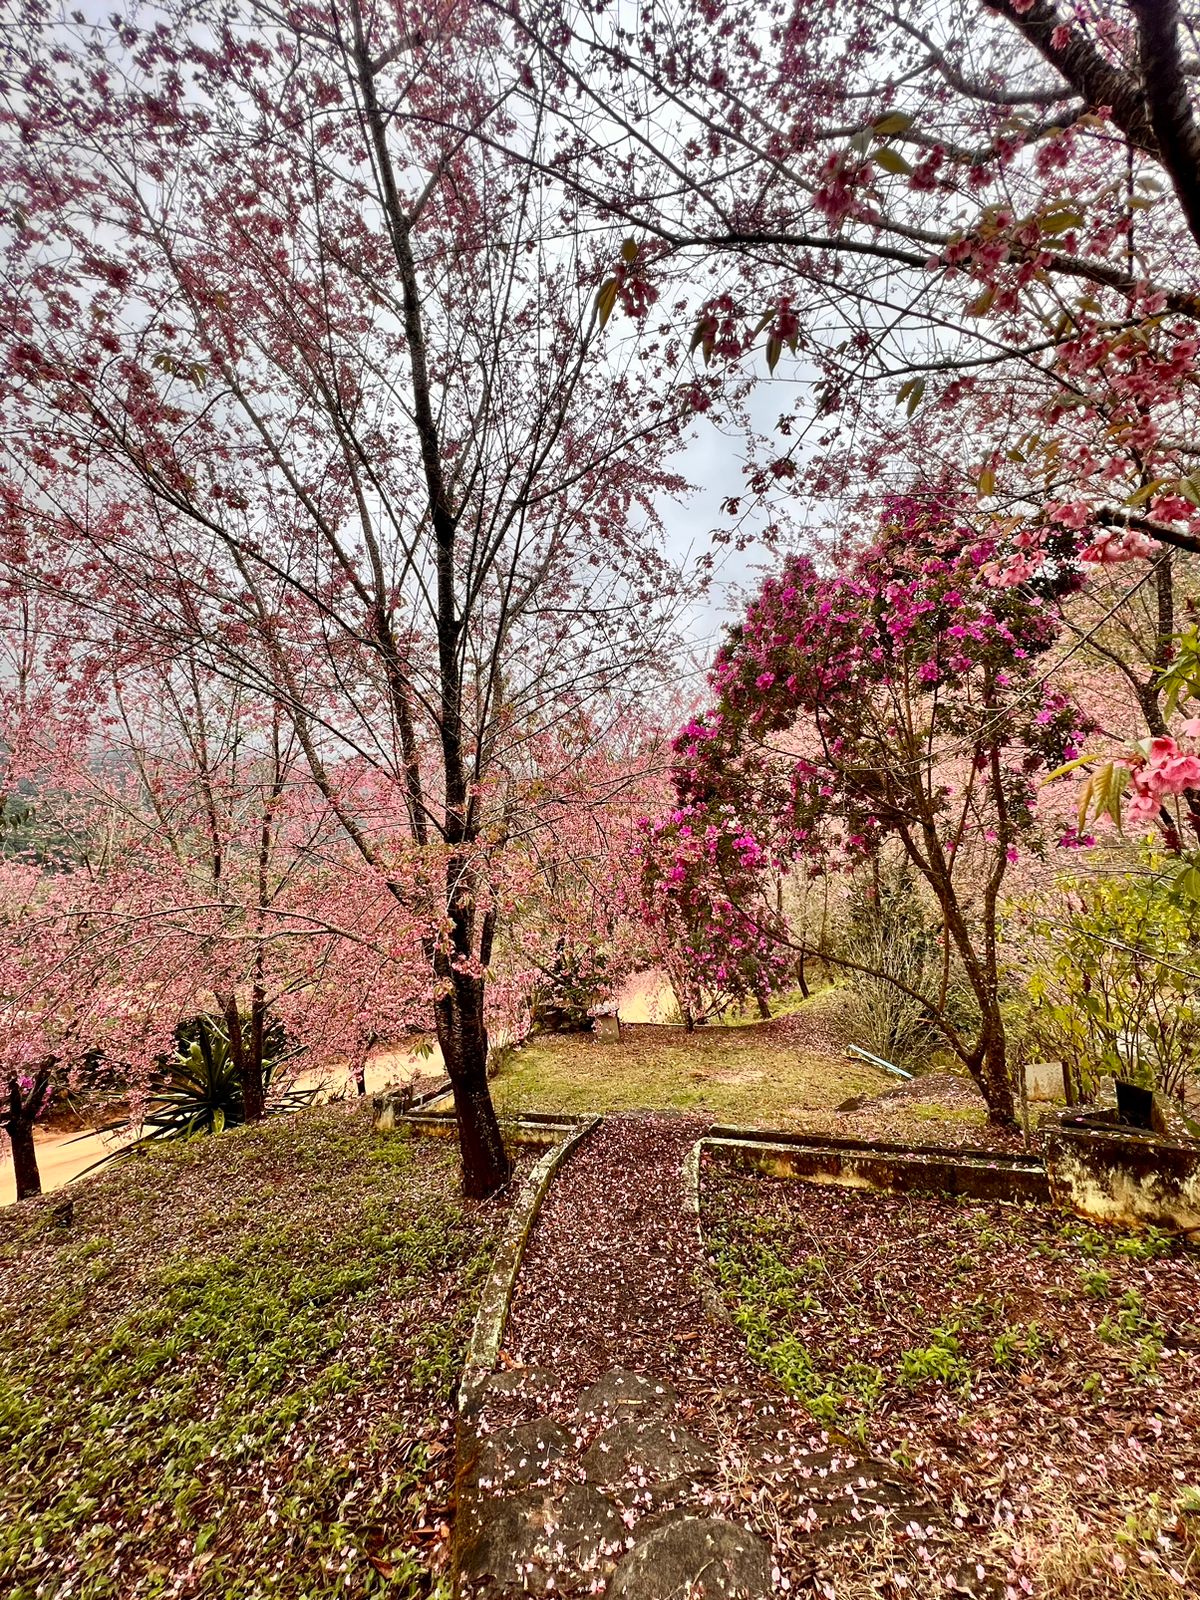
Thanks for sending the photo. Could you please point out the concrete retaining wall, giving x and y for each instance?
(1115, 1178)
(890, 1169)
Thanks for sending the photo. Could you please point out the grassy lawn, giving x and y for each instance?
(791, 1072)
(1037, 1377)
(773, 1073)
(231, 1374)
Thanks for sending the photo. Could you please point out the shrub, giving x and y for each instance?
(202, 1093)
(899, 947)
(1116, 987)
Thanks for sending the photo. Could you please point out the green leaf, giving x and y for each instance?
(1114, 784)
(629, 251)
(1188, 883)
(861, 142)
(774, 347)
(912, 390)
(1147, 492)
(1060, 220)
(987, 481)
(894, 122)
(1085, 801)
(606, 299)
(1068, 766)
(891, 161)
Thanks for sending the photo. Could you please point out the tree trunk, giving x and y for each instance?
(992, 1074)
(246, 1063)
(20, 1115)
(463, 1039)
(254, 1090)
(25, 1167)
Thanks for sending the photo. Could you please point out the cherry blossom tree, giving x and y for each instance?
(986, 211)
(74, 1001)
(971, 228)
(198, 871)
(899, 702)
(303, 376)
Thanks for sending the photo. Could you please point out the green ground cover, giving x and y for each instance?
(231, 1374)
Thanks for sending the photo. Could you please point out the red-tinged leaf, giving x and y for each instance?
(982, 303)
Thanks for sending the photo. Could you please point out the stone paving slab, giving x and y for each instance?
(729, 1562)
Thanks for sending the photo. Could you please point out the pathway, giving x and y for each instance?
(629, 1446)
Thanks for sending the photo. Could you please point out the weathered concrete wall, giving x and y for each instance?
(891, 1169)
(1112, 1177)
(1045, 1080)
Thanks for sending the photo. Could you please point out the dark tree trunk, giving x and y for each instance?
(764, 1009)
(24, 1154)
(247, 1060)
(463, 1040)
(254, 1088)
(991, 1074)
(801, 979)
(20, 1114)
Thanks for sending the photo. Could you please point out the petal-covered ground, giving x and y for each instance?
(630, 1406)
(1036, 1377)
(229, 1369)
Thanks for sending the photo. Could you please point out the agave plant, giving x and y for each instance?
(203, 1091)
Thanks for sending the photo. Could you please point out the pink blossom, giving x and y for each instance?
(1070, 513)
(1118, 545)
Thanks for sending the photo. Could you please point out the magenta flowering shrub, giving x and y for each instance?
(901, 699)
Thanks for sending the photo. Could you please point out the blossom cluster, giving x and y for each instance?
(846, 708)
(1162, 772)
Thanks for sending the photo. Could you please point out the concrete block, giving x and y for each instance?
(1045, 1080)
